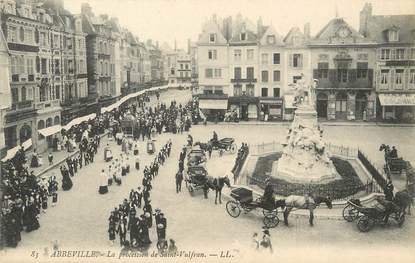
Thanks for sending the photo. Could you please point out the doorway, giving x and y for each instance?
(322, 102)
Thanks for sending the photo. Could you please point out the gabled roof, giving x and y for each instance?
(243, 26)
(211, 27)
(294, 32)
(377, 25)
(270, 30)
(331, 34)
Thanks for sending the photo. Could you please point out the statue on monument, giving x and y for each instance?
(304, 157)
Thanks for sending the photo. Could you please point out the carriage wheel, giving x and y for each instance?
(350, 213)
(233, 148)
(266, 212)
(271, 221)
(233, 208)
(191, 189)
(364, 224)
(400, 218)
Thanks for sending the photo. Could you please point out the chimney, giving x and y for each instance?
(365, 15)
(307, 30)
(259, 26)
(215, 18)
(86, 10)
(188, 46)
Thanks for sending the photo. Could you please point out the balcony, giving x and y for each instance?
(103, 56)
(22, 105)
(47, 104)
(247, 80)
(22, 47)
(332, 81)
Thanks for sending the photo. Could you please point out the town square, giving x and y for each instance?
(243, 144)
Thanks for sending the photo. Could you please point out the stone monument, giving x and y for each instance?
(304, 158)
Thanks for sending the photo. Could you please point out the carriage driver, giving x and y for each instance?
(268, 197)
(214, 139)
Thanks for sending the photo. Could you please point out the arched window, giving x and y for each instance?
(49, 122)
(57, 120)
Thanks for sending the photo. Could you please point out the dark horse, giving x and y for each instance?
(303, 202)
(203, 146)
(404, 200)
(217, 184)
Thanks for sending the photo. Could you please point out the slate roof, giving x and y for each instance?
(378, 26)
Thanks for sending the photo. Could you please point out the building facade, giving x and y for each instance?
(100, 48)
(271, 64)
(28, 30)
(5, 95)
(343, 61)
(394, 76)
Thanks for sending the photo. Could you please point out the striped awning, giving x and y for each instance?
(397, 99)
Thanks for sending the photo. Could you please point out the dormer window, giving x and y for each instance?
(393, 35)
(243, 36)
(271, 39)
(212, 38)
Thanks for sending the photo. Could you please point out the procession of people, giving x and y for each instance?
(127, 218)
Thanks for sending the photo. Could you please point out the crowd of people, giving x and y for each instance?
(135, 214)
(24, 197)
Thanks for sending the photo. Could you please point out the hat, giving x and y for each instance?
(265, 231)
(160, 226)
(157, 210)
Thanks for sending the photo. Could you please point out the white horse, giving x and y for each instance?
(304, 202)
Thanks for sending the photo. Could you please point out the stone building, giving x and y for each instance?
(35, 100)
(394, 76)
(5, 95)
(343, 61)
(100, 47)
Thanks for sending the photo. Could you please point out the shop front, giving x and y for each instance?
(246, 107)
(213, 106)
(397, 107)
(270, 109)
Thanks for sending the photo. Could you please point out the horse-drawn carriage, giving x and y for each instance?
(369, 216)
(243, 200)
(222, 145)
(196, 157)
(195, 178)
(393, 163)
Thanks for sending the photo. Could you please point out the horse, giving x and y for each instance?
(304, 202)
(217, 184)
(404, 200)
(386, 149)
(203, 146)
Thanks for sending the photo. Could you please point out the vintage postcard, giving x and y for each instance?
(207, 131)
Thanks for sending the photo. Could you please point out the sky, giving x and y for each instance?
(170, 20)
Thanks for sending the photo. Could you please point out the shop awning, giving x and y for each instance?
(12, 152)
(50, 130)
(289, 102)
(213, 104)
(397, 99)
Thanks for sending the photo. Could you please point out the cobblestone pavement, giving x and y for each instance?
(79, 221)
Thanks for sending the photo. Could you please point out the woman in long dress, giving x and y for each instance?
(107, 153)
(103, 188)
(66, 179)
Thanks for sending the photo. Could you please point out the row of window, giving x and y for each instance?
(397, 54)
(213, 73)
(276, 76)
(20, 64)
(398, 76)
(106, 88)
(105, 68)
(26, 93)
(295, 60)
